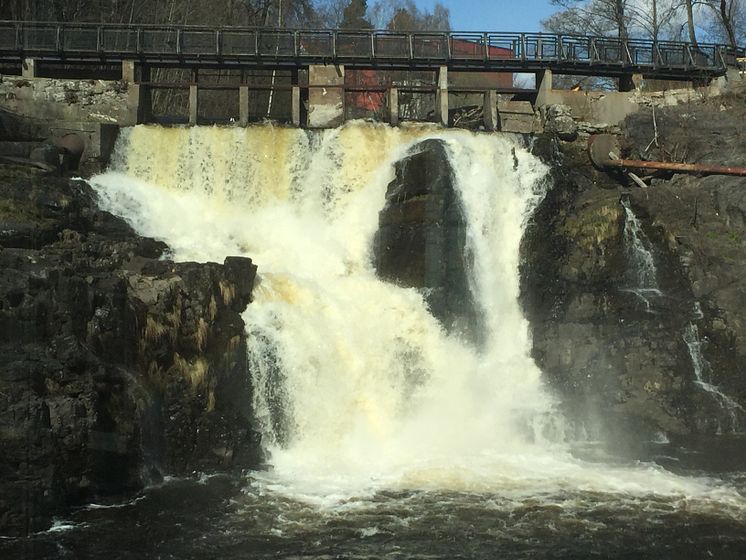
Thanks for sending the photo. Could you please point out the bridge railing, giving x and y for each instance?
(56, 40)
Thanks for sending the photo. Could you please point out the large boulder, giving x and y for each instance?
(421, 240)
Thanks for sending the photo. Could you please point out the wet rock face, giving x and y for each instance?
(421, 240)
(609, 343)
(626, 359)
(117, 366)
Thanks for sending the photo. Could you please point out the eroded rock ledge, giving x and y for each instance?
(117, 366)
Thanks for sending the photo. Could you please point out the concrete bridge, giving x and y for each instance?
(315, 62)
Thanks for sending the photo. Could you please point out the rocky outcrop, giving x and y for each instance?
(421, 240)
(558, 120)
(633, 364)
(117, 365)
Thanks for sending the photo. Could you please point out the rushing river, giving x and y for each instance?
(385, 435)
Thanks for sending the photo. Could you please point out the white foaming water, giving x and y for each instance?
(357, 387)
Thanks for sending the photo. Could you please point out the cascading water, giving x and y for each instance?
(361, 395)
(643, 276)
(703, 379)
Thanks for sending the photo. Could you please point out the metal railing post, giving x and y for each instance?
(19, 46)
(523, 46)
(593, 51)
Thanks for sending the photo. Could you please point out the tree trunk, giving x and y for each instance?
(619, 9)
(728, 23)
(690, 24)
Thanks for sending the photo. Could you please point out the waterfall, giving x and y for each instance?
(643, 276)
(703, 379)
(357, 387)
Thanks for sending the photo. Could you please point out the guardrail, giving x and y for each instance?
(507, 51)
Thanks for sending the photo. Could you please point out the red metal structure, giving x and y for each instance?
(370, 85)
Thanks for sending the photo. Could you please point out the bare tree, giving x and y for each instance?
(727, 20)
(404, 15)
(590, 17)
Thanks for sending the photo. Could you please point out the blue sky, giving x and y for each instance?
(495, 15)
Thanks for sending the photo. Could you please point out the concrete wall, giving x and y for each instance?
(611, 108)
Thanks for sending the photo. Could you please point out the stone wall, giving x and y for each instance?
(65, 100)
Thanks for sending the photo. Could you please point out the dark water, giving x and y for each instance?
(237, 518)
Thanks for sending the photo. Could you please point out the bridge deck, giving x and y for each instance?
(283, 48)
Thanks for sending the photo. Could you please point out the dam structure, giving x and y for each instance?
(320, 77)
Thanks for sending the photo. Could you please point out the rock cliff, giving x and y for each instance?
(117, 364)
(640, 357)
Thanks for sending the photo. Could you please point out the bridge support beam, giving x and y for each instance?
(295, 102)
(28, 68)
(543, 87)
(490, 110)
(326, 95)
(394, 106)
(138, 104)
(441, 96)
(128, 71)
(243, 105)
(193, 104)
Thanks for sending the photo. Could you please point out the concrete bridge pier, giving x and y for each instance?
(441, 97)
(295, 105)
(489, 109)
(28, 68)
(129, 70)
(193, 104)
(393, 107)
(543, 87)
(243, 105)
(139, 100)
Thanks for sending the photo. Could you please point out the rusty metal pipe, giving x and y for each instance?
(698, 168)
(603, 150)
